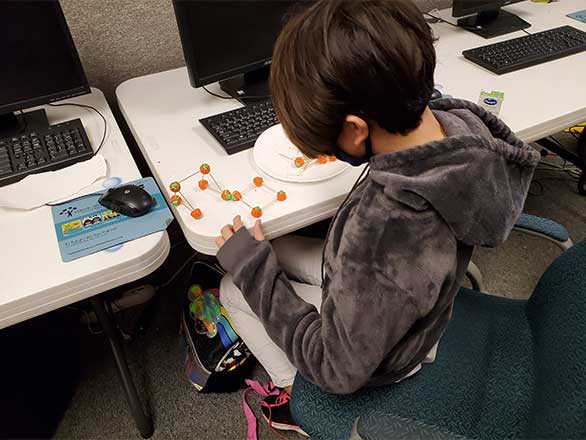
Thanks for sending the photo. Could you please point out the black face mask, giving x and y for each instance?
(353, 160)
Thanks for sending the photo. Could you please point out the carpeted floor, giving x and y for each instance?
(98, 409)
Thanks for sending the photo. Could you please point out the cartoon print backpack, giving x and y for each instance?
(216, 359)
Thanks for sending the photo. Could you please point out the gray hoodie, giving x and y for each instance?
(396, 254)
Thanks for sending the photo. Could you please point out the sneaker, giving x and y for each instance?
(276, 411)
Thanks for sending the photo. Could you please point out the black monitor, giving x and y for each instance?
(486, 18)
(231, 41)
(39, 61)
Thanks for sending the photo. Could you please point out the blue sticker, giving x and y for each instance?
(490, 101)
(112, 182)
(114, 248)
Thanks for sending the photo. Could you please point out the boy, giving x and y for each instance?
(354, 79)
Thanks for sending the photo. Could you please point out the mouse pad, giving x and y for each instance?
(84, 227)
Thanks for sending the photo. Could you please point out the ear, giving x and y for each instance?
(354, 133)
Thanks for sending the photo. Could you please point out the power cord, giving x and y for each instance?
(95, 152)
(88, 320)
(570, 170)
(23, 116)
(439, 19)
(95, 110)
(576, 130)
(177, 272)
(72, 200)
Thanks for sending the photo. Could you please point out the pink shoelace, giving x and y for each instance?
(263, 391)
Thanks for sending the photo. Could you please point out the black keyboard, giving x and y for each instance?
(50, 149)
(239, 129)
(528, 51)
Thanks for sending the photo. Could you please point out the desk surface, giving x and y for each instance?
(33, 278)
(163, 110)
(540, 100)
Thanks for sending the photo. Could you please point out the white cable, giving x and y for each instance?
(170, 280)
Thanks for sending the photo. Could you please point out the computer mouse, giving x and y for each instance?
(130, 200)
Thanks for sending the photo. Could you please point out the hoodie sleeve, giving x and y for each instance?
(364, 313)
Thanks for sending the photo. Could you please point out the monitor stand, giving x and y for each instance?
(493, 23)
(12, 124)
(248, 87)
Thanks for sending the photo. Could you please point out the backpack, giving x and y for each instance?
(216, 359)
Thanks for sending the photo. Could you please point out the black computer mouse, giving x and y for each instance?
(130, 200)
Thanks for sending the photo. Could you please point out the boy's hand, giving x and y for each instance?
(229, 230)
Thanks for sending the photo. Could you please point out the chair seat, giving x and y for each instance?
(480, 385)
(543, 226)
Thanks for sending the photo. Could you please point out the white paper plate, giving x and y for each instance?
(268, 151)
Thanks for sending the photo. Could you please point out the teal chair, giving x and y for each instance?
(532, 225)
(513, 369)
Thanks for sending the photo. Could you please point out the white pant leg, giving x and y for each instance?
(300, 258)
(252, 332)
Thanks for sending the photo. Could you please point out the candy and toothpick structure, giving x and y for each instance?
(179, 199)
(303, 162)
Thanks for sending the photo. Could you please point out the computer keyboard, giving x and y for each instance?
(522, 52)
(237, 130)
(50, 149)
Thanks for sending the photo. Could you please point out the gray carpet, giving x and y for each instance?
(98, 409)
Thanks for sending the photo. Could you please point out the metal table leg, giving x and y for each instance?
(143, 422)
(582, 155)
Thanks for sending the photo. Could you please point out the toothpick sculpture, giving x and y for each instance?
(179, 199)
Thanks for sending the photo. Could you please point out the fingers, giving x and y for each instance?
(227, 232)
(237, 223)
(258, 232)
(220, 242)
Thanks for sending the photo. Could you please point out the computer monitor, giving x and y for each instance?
(39, 62)
(488, 19)
(231, 41)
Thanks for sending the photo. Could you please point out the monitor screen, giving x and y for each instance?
(39, 60)
(222, 39)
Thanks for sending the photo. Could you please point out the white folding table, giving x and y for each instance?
(33, 278)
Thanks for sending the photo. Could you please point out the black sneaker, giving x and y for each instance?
(275, 410)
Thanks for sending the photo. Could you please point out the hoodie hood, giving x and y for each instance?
(477, 178)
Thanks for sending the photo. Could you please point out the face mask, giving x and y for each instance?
(353, 160)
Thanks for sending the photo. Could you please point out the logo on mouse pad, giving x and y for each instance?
(69, 211)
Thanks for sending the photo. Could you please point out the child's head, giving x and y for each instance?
(373, 59)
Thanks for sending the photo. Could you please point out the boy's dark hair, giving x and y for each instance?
(372, 58)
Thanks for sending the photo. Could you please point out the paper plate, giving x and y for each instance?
(275, 155)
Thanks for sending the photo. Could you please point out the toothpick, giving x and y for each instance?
(190, 176)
